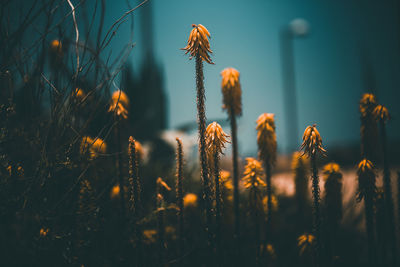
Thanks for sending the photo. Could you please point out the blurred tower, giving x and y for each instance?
(148, 100)
(297, 28)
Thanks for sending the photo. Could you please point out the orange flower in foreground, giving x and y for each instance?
(312, 141)
(198, 44)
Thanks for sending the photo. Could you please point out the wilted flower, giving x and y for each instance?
(380, 112)
(366, 180)
(198, 43)
(253, 174)
(119, 104)
(312, 142)
(190, 200)
(305, 243)
(266, 137)
(231, 91)
(93, 147)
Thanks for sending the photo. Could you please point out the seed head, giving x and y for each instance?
(266, 137)
(381, 113)
(231, 91)
(198, 43)
(366, 180)
(253, 174)
(119, 104)
(312, 142)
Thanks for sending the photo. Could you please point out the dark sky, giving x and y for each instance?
(353, 46)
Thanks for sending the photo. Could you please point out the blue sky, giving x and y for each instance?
(329, 76)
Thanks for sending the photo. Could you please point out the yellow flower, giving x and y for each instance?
(253, 174)
(366, 180)
(312, 141)
(367, 104)
(93, 147)
(225, 178)
(231, 91)
(215, 141)
(274, 204)
(266, 137)
(115, 190)
(380, 112)
(190, 200)
(119, 104)
(305, 243)
(198, 44)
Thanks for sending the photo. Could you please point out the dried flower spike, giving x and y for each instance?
(312, 142)
(231, 91)
(253, 174)
(380, 112)
(198, 43)
(305, 243)
(266, 137)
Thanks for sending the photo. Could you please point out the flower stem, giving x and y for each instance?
(268, 231)
(217, 207)
(179, 197)
(316, 211)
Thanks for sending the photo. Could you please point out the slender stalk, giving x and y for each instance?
(134, 199)
(119, 172)
(217, 207)
(389, 209)
(369, 217)
(201, 116)
(268, 231)
(235, 178)
(316, 210)
(179, 198)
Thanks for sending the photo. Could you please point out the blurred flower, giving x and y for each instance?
(380, 112)
(115, 190)
(149, 236)
(231, 91)
(331, 169)
(305, 243)
(225, 179)
(78, 94)
(198, 43)
(93, 147)
(268, 251)
(367, 104)
(190, 200)
(366, 180)
(312, 142)
(266, 137)
(119, 104)
(56, 48)
(43, 232)
(253, 174)
(274, 203)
